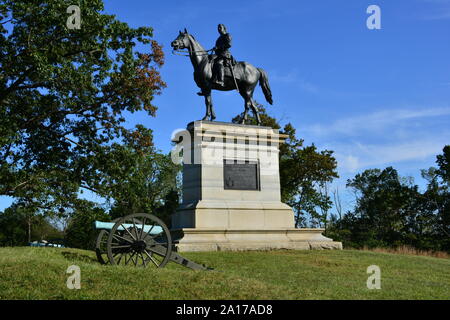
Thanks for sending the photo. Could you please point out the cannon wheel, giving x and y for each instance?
(100, 245)
(129, 242)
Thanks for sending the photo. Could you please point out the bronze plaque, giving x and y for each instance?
(240, 176)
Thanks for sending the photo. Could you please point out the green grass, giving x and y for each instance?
(40, 273)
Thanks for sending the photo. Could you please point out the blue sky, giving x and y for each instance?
(375, 97)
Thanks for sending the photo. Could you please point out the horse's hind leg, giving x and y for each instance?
(245, 115)
(247, 104)
(255, 110)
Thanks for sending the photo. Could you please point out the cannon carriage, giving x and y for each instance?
(138, 239)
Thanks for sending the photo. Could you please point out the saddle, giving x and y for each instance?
(230, 63)
(227, 71)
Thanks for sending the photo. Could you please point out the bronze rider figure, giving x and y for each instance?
(223, 56)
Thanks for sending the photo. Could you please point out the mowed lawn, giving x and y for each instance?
(40, 273)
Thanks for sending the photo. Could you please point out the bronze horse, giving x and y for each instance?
(247, 76)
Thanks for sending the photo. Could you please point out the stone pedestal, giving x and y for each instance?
(231, 192)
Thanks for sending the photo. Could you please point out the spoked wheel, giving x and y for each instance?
(139, 239)
(101, 245)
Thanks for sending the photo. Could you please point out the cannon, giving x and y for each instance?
(138, 239)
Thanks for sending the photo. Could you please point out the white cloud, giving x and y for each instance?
(374, 121)
(387, 137)
(354, 157)
(348, 163)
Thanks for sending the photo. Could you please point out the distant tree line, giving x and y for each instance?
(391, 211)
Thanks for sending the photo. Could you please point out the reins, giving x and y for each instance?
(182, 53)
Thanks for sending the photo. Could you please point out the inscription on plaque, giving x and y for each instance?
(240, 176)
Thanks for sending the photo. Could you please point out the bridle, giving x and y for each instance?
(183, 53)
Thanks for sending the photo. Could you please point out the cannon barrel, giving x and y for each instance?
(151, 229)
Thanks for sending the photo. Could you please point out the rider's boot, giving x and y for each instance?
(220, 77)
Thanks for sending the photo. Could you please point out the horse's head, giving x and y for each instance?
(182, 41)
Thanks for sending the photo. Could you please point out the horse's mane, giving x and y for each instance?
(193, 38)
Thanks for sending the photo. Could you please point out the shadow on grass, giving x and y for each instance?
(78, 257)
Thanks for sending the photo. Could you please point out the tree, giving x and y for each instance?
(443, 161)
(133, 176)
(385, 204)
(63, 94)
(80, 232)
(436, 198)
(391, 211)
(304, 173)
(15, 227)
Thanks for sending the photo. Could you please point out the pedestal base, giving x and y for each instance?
(197, 239)
(229, 214)
(231, 192)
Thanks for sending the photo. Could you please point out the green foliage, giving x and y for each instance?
(304, 174)
(13, 228)
(63, 94)
(63, 97)
(134, 176)
(391, 211)
(16, 230)
(80, 232)
(436, 198)
(443, 162)
(384, 209)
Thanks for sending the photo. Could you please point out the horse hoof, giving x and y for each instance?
(213, 118)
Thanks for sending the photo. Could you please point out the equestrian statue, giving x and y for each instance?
(219, 71)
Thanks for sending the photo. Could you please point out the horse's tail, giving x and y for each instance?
(264, 83)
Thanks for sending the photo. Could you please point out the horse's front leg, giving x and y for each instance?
(208, 99)
(209, 108)
(207, 96)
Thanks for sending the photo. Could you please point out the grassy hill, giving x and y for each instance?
(40, 273)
